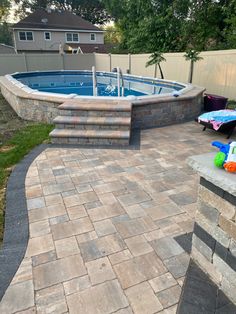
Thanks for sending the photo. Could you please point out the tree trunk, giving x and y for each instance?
(191, 72)
(155, 70)
(162, 76)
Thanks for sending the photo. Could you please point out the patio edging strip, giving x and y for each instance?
(16, 228)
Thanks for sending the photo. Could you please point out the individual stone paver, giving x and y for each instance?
(39, 228)
(56, 210)
(162, 282)
(108, 215)
(40, 245)
(34, 203)
(119, 257)
(100, 270)
(131, 227)
(135, 211)
(106, 211)
(79, 199)
(139, 269)
(51, 300)
(76, 284)
(44, 258)
(104, 227)
(169, 296)
(143, 299)
(76, 212)
(134, 197)
(18, 297)
(100, 247)
(71, 228)
(138, 245)
(66, 247)
(178, 265)
(64, 269)
(24, 272)
(104, 298)
(58, 219)
(166, 247)
(164, 210)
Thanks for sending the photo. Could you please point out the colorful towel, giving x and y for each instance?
(219, 117)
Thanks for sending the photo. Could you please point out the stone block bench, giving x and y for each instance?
(214, 237)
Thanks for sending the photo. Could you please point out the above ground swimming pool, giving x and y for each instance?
(36, 95)
(80, 83)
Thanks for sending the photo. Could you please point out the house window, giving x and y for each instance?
(92, 37)
(47, 36)
(26, 36)
(72, 37)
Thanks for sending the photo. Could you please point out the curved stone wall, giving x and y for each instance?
(154, 111)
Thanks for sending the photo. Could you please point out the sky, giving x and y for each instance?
(11, 18)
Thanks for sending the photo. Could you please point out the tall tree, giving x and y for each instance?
(175, 25)
(92, 10)
(5, 34)
(4, 9)
(112, 34)
(229, 32)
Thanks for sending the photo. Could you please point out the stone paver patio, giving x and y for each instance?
(103, 224)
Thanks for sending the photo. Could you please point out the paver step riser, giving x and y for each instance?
(90, 141)
(91, 113)
(92, 127)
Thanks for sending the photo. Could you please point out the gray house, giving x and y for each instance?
(54, 31)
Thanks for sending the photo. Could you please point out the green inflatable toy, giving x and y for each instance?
(219, 159)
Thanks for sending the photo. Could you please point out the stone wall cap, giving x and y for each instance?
(204, 166)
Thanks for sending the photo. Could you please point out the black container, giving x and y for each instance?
(214, 102)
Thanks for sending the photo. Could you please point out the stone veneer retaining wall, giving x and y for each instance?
(152, 112)
(167, 110)
(214, 237)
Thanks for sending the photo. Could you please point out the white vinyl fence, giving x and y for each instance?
(216, 71)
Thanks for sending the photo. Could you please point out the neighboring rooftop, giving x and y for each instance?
(5, 49)
(90, 48)
(55, 19)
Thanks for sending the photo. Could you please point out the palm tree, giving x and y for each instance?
(193, 56)
(156, 58)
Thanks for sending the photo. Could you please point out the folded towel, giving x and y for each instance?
(219, 117)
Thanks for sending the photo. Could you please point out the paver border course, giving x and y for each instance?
(16, 228)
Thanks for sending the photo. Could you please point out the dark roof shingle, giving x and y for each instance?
(90, 48)
(44, 19)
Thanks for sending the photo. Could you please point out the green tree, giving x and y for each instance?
(192, 56)
(174, 25)
(5, 34)
(112, 34)
(229, 32)
(147, 26)
(4, 9)
(155, 59)
(92, 10)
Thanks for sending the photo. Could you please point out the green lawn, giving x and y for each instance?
(17, 138)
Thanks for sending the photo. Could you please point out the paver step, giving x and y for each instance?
(95, 123)
(90, 133)
(96, 106)
(93, 120)
(94, 113)
(90, 137)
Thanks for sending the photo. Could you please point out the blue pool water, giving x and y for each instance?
(80, 83)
